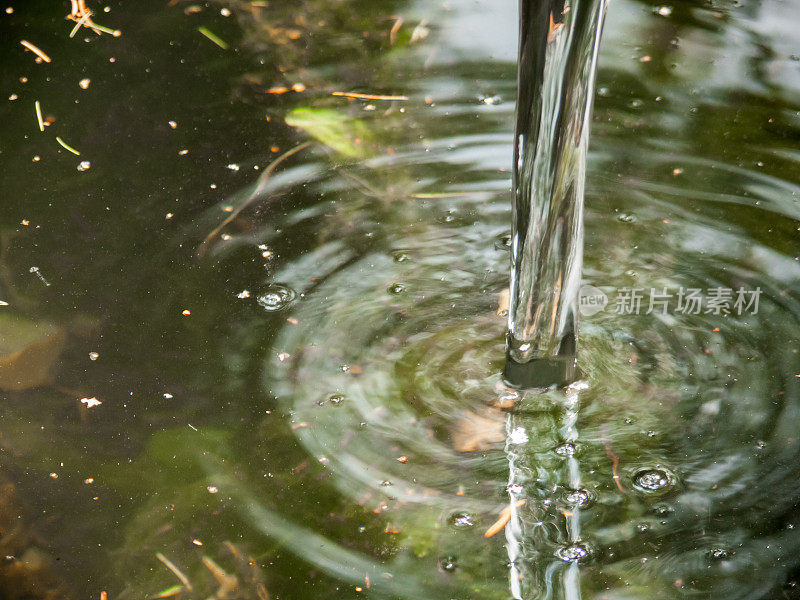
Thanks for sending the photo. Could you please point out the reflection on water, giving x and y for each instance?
(315, 405)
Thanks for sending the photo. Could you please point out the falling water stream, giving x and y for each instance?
(559, 45)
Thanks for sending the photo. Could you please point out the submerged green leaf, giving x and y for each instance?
(346, 135)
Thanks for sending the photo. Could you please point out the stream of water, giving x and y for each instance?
(559, 45)
(293, 372)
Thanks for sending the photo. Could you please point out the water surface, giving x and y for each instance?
(318, 384)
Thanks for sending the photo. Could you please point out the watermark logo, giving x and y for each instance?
(592, 300)
(666, 300)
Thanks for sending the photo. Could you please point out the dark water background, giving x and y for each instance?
(384, 242)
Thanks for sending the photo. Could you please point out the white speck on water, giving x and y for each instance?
(84, 166)
(518, 436)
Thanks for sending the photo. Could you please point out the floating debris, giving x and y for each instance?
(36, 51)
(91, 402)
(359, 96)
(67, 146)
(84, 83)
(503, 519)
(82, 15)
(175, 570)
(39, 115)
(213, 37)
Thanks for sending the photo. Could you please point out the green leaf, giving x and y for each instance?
(346, 135)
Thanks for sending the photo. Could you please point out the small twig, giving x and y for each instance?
(175, 570)
(262, 181)
(36, 51)
(359, 96)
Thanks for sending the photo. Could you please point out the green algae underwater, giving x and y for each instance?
(307, 401)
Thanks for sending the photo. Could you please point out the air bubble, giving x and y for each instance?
(448, 564)
(503, 242)
(626, 218)
(461, 519)
(400, 256)
(396, 288)
(276, 297)
(652, 480)
(573, 553)
(719, 554)
(566, 449)
(579, 498)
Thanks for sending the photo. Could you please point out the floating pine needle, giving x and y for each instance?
(175, 570)
(39, 116)
(213, 37)
(83, 16)
(67, 147)
(262, 182)
(612, 457)
(36, 51)
(169, 592)
(503, 519)
(359, 96)
(433, 196)
(398, 23)
(81, 21)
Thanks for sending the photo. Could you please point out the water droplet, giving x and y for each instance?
(84, 165)
(626, 218)
(566, 449)
(491, 100)
(719, 554)
(643, 527)
(573, 553)
(276, 297)
(336, 399)
(663, 510)
(503, 242)
(461, 519)
(448, 564)
(652, 480)
(400, 256)
(396, 288)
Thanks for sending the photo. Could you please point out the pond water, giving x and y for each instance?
(213, 368)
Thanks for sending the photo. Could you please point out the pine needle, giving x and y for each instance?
(39, 116)
(213, 37)
(262, 181)
(36, 51)
(66, 146)
(175, 570)
(359, 96)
